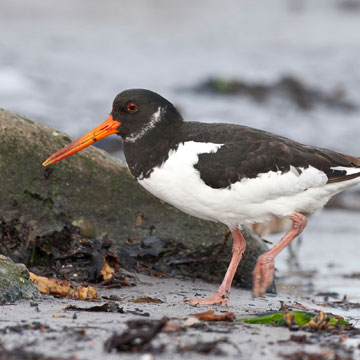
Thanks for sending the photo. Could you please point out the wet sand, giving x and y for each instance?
(83, 335)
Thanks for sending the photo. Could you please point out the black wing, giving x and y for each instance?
(247, 152)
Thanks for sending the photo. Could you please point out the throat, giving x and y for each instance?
(151, 150)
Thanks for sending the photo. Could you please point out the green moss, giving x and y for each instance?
(27, 120)
(14, 282)
(222, 85)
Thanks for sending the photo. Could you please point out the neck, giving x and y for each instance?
(152, 149)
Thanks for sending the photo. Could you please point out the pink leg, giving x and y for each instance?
(263, 273)
(222, 294)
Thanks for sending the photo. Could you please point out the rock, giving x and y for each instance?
(288, 88)
(15, 283)
(92, 190)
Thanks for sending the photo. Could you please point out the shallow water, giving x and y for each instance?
(330, 247)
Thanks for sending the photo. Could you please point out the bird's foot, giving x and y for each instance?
(217, 298)
(263, 274)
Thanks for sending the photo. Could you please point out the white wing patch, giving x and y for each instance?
(155, 118)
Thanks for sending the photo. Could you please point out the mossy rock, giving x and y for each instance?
(94, 189)
(15, 284)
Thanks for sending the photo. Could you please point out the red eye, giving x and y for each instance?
(132, 107)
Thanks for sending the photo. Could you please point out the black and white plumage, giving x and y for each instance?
(220, 172)
(230, 173)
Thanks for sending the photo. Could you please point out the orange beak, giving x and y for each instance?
(107, 128)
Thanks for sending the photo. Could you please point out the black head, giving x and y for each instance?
(136, 114)
(140, 112)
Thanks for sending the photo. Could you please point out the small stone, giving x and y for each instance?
(87, 228)
(14, 282)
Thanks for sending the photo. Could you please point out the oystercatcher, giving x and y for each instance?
(221, 172)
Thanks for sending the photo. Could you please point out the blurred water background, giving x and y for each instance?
(62, 63)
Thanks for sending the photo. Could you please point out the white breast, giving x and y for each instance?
(270, 194)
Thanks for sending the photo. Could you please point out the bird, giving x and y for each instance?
(220, 172)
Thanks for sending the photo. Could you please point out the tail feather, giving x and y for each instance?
(343, 178)
(354, 164)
